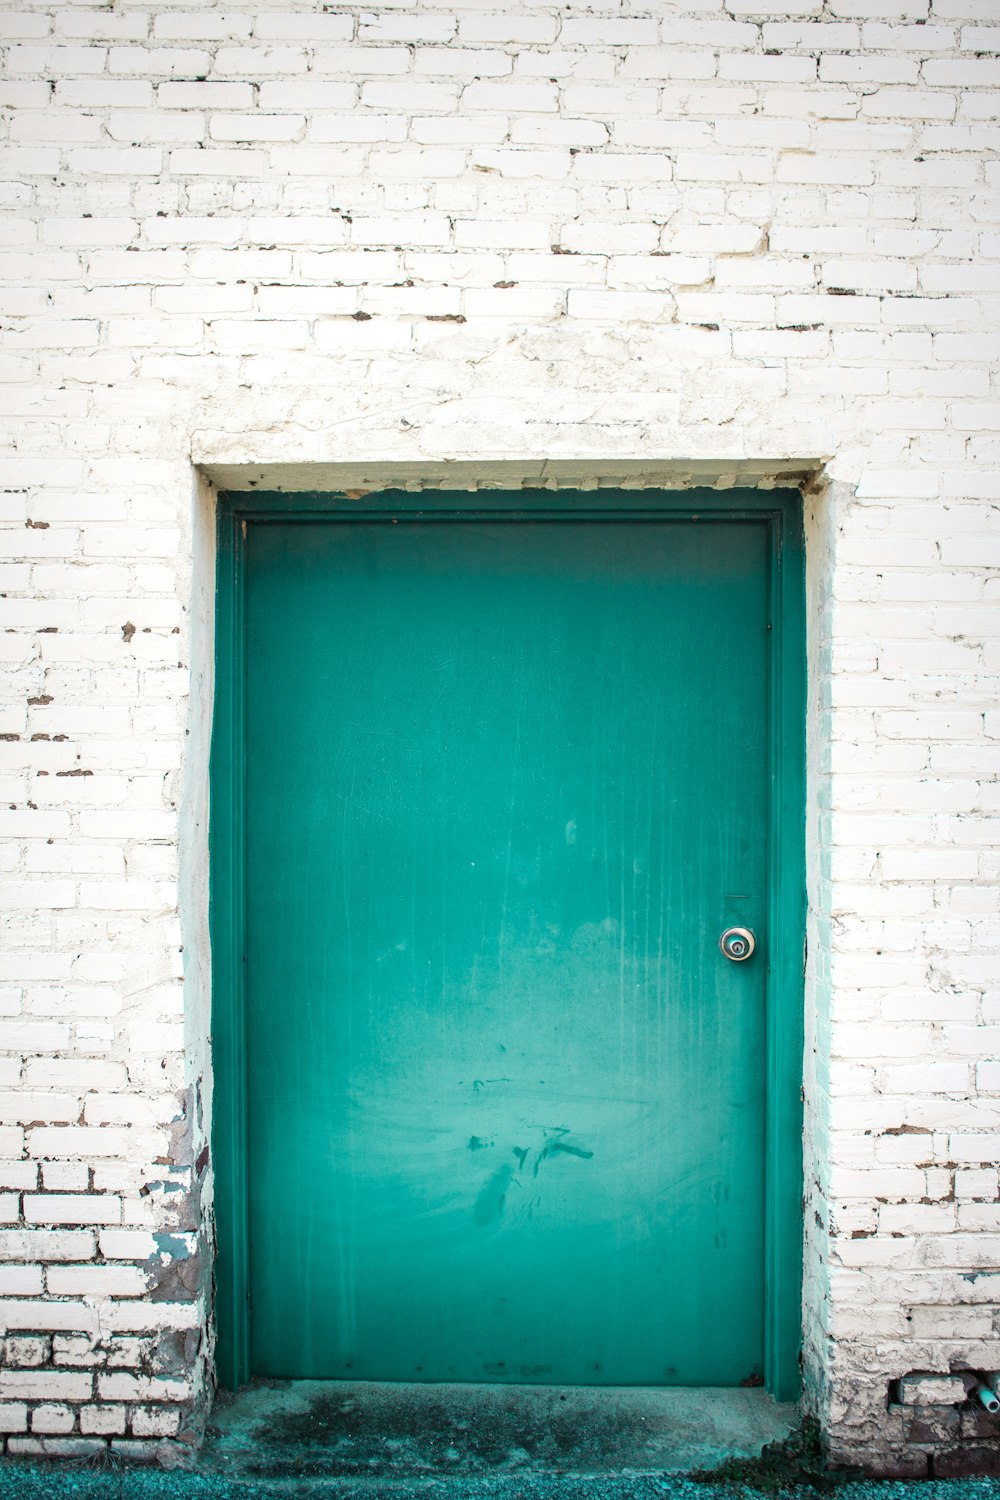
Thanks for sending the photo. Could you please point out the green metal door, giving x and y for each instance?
(506, 783)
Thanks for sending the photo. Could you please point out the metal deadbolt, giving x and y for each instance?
(737, 943)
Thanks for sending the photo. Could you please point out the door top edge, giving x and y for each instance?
(353, 504)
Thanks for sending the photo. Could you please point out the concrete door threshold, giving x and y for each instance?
(312, 1429)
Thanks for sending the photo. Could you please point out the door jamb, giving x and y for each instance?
(782, 511)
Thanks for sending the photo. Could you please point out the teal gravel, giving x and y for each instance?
(78, 1481)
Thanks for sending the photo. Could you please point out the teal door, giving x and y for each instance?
(506, 784)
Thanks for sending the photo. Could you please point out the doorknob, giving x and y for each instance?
(737, 943)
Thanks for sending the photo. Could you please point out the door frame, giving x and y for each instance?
(781, 511)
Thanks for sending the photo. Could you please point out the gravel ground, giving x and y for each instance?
(59, 1481)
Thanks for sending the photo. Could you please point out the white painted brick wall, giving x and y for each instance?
(739, 233)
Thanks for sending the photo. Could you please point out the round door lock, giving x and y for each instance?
(737, 943)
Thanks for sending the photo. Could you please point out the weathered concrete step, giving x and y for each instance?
(364, 1429)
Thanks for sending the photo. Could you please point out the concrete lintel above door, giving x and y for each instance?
(604, 471)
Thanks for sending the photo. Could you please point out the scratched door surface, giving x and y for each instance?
(505, 788)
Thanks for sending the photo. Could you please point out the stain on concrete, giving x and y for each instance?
(282, 1429)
